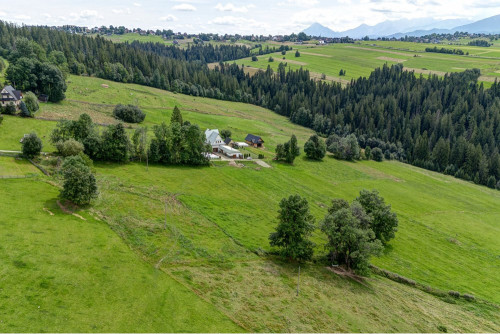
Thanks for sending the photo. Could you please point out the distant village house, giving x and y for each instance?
(10, 95)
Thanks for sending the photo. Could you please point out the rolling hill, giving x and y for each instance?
(208, 257)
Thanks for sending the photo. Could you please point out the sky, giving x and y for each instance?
(243, 17)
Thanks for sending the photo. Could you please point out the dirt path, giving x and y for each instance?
(262, 163)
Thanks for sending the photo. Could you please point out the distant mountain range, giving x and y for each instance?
(413, 27)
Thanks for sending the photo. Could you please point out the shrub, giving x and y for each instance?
(468, 297)
(442, 329)
(31, 146)
(297, 53)
(377, 154)
(24, 110)
(69, 147)
(129, 113)
(271, 59)
(31, 102)
(9, 109)
(261, 156)
(455, 294)
(254, 58)
(1, 119)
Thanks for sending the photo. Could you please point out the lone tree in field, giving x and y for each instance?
(295, 226)
(315, 148)
(297, 53)
(31, 146)
(176, 116)
(384, 222)
(79, 183)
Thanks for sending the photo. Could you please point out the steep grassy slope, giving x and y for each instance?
(62, 273)
(218, 220)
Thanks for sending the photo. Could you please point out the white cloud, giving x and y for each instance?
(168, 18)
(136, 4)
(184, 7)
(22, 17)
(47, 15)
(84, 15)
(229, 7)
(299, 3)
(122, 11)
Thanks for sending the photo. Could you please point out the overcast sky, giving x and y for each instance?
(254, 16)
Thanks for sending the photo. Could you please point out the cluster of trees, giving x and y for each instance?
(178, 143)
(112, 144)
(288, 151)
(315, 148)
(32, 69)
(80, 185)
(480, 42)
(342, 72)
(447, 51)
(129, 113)
(344, 148)
(355, 231)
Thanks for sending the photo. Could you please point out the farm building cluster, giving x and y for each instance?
(227, 146)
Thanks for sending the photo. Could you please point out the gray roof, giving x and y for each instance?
(16, 94)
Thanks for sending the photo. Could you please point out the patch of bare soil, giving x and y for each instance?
(315, 54)
(419, 70)
(48, 211)
(233, 163)
(69, 208)
(392, 59)
(347, 273)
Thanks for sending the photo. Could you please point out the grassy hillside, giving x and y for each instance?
(218, 220)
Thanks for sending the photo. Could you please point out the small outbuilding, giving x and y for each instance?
(231, 152)
(254, 141)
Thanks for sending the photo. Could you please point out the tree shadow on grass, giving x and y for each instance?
(321, 271)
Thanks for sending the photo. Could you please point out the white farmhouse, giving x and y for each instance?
(214, 139)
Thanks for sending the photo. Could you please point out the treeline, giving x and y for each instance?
(480, 42)
(447, 51)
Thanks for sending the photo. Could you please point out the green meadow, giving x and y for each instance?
(165, 248)
(359, 60)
